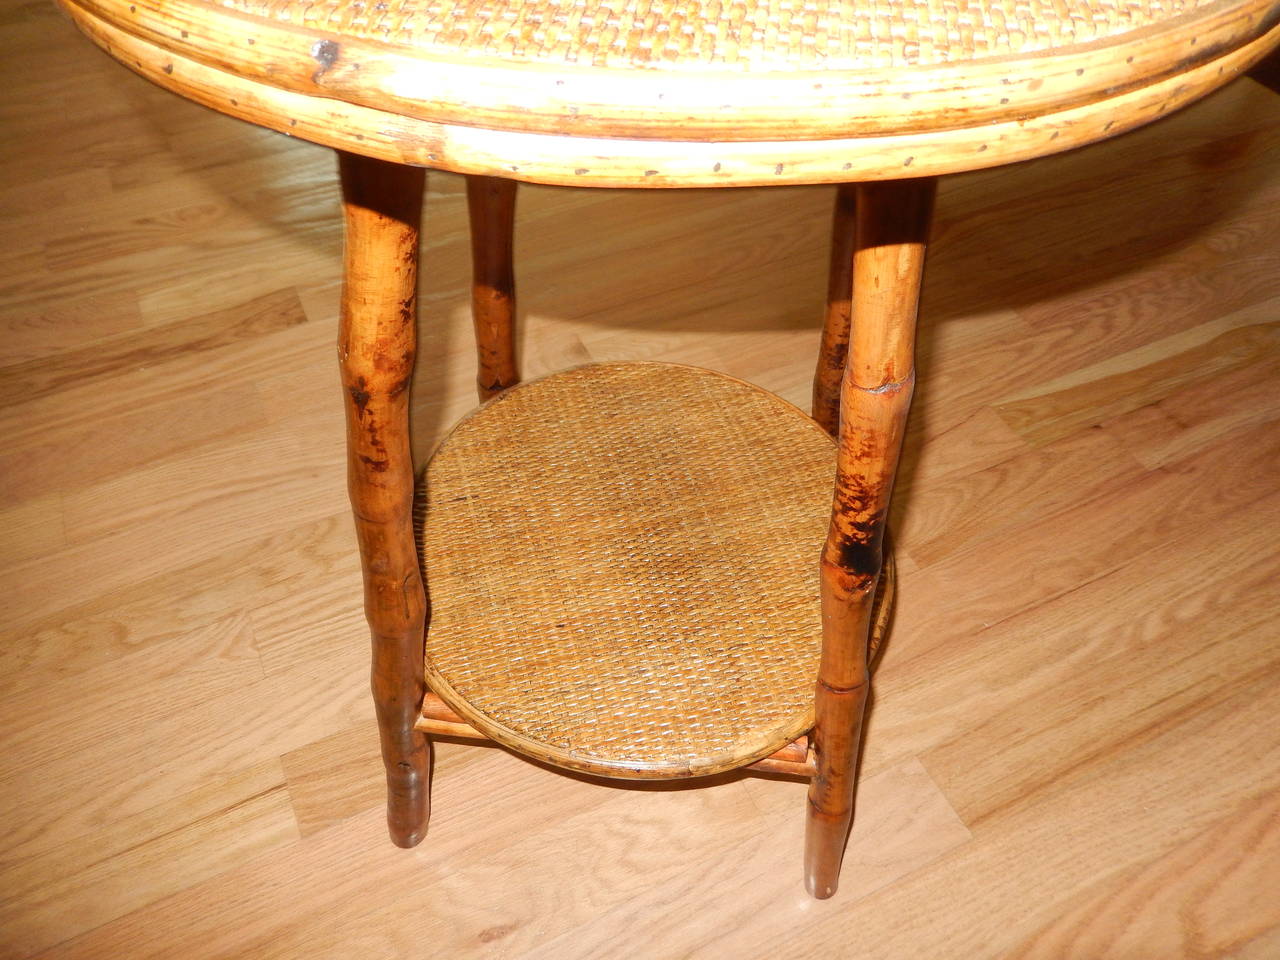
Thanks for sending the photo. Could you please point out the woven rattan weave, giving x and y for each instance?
(747, 34)
(622, 564)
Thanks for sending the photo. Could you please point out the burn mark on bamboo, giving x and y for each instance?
(359, 395)
(857, 546)
(859, 558)
(325, 53)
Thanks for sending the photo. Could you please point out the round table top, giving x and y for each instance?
(690, 92)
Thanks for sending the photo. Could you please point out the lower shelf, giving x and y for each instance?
(622, 565)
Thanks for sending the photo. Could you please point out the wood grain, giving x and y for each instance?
(142, 858)
(1230, 863)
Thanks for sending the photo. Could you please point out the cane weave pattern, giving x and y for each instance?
(720, 34)
(622, 562)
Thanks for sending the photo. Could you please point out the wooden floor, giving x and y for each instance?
(1073, 748)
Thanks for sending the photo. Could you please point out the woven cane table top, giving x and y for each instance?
(622, 562)
(726, 34)
(659, 93)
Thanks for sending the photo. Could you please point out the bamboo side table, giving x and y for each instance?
(624, 560)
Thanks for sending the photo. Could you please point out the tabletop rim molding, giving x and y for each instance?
(573, 160)
(680, 104)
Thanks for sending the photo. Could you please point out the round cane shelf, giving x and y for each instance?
(652, 93)
(622, 561)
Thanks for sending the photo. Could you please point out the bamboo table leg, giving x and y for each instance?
(491, 203)
(892, 227)
(382, 205)
(835, 328)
